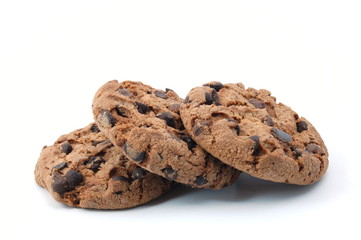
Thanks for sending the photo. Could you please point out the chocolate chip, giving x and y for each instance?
(200, 181)
(118, 192)
(94, 128)
(268, 120)
(256, 149)
(61, 166)
(232, 120)
(66, 148)
(236, 127)
(212, 98)
(90, 160)
(142, 108)
(301, 126)
(125, 92)
(121, 111)
(95, 143)
(138, 173)
(161, 94)
(257, 103)
(133, 153)
(170, 173)
(186, 100)
(60, 184)
(215, 85)
(313, 148)
(95, 162)
(174, 108)
(120, 178)
(282, 135)
(197, 130)
(168, 90)
(168, 118)
(297, 153)
(191, 144)
(215, 98)
(74, 178)
(238, 130)
(106, 119)
(209, 99)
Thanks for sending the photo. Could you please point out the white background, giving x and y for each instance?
(54, 55)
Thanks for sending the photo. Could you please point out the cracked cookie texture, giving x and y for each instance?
(84, 169)
(249, 130)
(145, 123)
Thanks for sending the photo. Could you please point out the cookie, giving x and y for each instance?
(249, 130)
(84, 169)
(145, 123)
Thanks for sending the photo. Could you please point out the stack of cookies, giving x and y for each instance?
(144, 140)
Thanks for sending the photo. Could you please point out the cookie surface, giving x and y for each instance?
(84, 169)
(145, 123)
(249, 130)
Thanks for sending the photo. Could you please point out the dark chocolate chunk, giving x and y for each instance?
(142, 108)
(170, 173)
(238, 130)
(186, 100)
(66, 148)
(118, 192)
(61, 166)
(161, 94)
(200, 181)
(138, 173)
(174, 108)
(191, 144)
(197, 130)
(282, 135)
(216, 85)
(257, 103)
(94, 128)
(212, 98)
(74, 178)
(106, 119)
(236, 127)
(256, 149)
(168, 90)
(95, 143)
(95, 162)
(215, 98)
(301, 126)
(133, 153)
(269, 121)
(232, 120)
(60, 184)
(121, 111)
(208, 98)
(313, 148)
(120, 178)
(90, 160)
(168, 118)
(297, 153)
(125, 92)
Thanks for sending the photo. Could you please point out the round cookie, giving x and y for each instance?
(146, 124)
(84, 169)
(249, 130)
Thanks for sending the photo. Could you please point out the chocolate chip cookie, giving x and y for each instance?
(84, 169)
(249, 130)
(145, 123)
